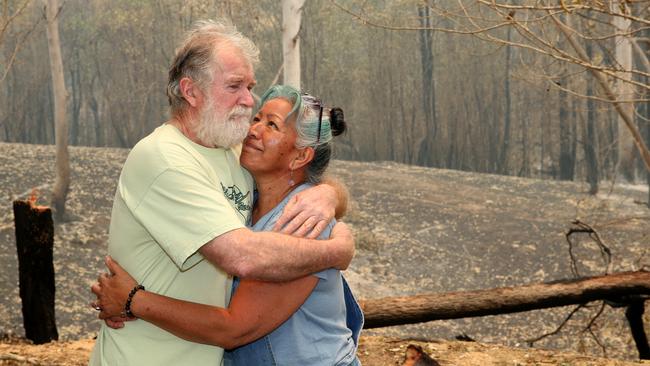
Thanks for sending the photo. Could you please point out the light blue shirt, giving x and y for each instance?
(323, 331)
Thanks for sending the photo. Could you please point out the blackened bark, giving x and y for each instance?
(634, 315)
(35, 242)
(590, 138)
(425, 36)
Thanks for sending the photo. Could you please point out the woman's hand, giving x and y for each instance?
(112, 291)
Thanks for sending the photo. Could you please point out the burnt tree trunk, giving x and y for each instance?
(590, 138)
(425, 38)
(34, 242)
(502, 164)
(454, 305)
(634, 315)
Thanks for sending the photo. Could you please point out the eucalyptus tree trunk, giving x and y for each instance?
(644, 108)
(647, 141)
(62, 182)
(567, 152)
(623, 52)
(566, 136)
(425, 36)
(291, 21)
(503, 155)
(590, 138)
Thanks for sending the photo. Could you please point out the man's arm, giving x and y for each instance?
(308, 212)
(272, 256)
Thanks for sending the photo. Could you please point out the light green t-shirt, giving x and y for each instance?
(173, 196)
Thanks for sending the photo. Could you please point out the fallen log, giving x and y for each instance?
(390, 311)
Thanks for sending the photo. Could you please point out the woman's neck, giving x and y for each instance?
(271, 190)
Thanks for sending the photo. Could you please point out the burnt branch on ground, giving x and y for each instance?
(557, 330)
(581, 227)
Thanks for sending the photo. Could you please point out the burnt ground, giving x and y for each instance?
(418, 230)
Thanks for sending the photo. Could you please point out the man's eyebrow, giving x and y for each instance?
(234, 78)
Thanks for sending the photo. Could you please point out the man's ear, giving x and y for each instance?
(190, 91)
(305, 156)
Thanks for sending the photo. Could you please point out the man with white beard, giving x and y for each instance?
(182, 198)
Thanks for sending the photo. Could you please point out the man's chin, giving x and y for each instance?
(227, 143)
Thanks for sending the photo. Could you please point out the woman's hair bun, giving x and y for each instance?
(337, 121)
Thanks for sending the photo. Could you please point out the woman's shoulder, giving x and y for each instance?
(269, 220)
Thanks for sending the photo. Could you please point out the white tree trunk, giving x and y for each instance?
(62, 182)
(623, 53)
(291, 21)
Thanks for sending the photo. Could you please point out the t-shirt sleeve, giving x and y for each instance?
(183, 210)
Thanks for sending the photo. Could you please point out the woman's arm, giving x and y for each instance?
(256, 309)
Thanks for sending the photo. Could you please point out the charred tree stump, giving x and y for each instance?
(634, 315)
(34, 242)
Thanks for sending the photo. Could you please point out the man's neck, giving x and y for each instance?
(185, 125)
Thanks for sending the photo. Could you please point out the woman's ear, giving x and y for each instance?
(190, 91)
(304, 157)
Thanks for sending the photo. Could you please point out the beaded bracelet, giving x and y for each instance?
(127, 307)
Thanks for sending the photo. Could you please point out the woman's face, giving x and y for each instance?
(270, 144)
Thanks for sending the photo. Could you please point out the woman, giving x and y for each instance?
(318, 321)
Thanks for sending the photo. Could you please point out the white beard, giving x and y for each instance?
(223, 131)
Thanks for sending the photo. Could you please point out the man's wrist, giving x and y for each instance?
(338, 253)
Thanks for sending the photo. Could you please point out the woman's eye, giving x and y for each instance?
(256, 119)
(273, 125)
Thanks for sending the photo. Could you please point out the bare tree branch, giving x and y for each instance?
(19, 44)
(8, 19)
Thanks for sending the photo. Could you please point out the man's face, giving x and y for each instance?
(228, 103)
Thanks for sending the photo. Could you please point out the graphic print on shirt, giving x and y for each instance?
(238, 198)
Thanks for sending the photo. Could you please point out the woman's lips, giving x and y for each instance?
(251, 146)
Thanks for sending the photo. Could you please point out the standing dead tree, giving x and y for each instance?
(291, 22)
(62, 182)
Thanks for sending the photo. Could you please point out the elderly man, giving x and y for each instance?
(182, 198)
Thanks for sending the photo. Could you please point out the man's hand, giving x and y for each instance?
(344, 245)
(308, 212)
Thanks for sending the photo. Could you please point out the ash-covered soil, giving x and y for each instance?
(373, 351)
(418, 230)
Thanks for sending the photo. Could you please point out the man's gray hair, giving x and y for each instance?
(195, 56)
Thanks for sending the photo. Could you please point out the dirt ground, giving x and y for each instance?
(418, 230)
(373, 351)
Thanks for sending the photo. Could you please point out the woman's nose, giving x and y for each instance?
(254, 129)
